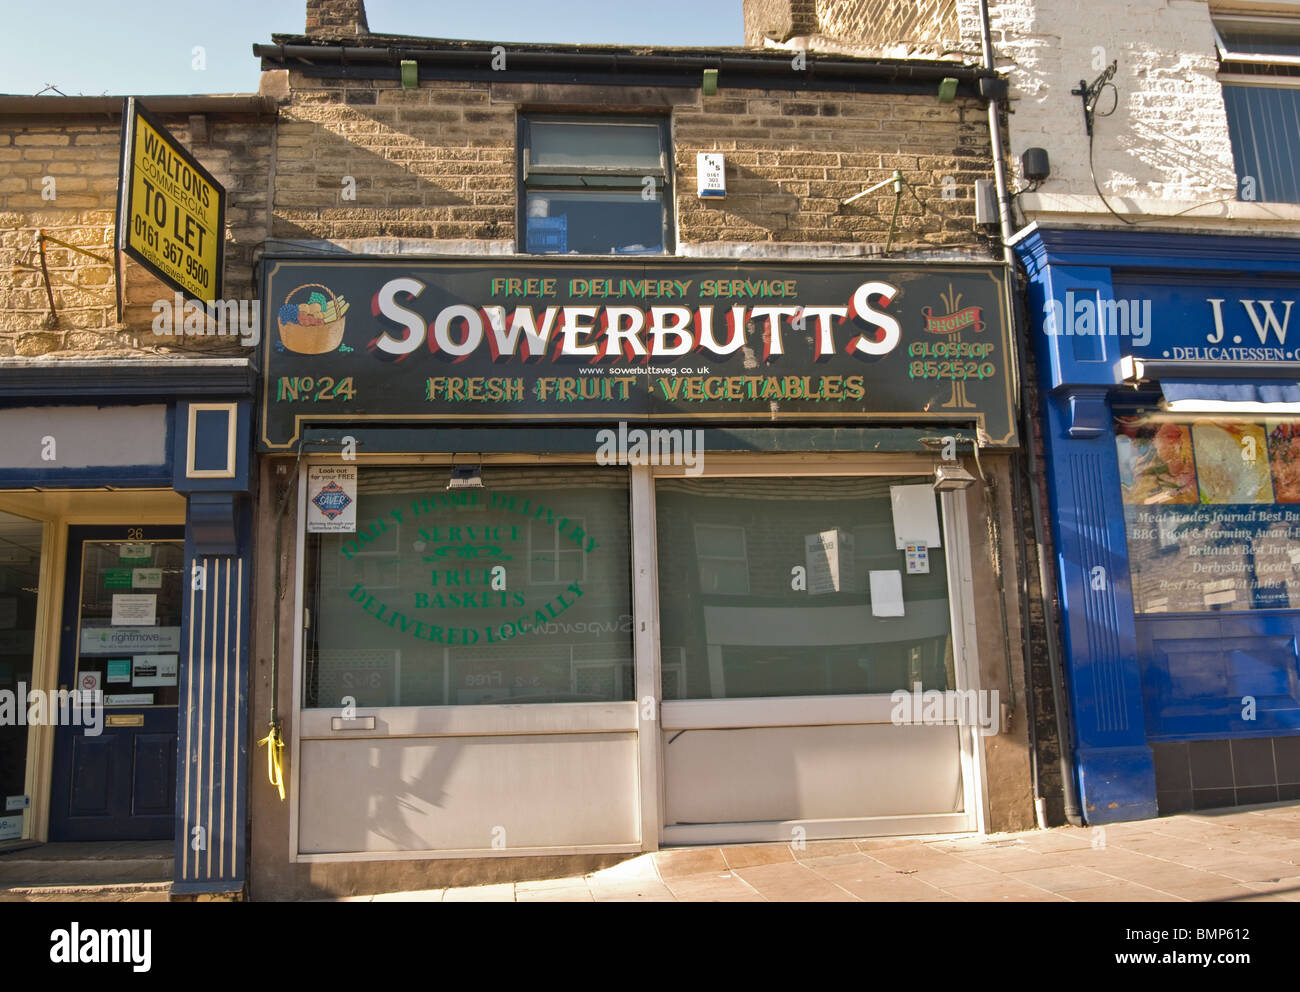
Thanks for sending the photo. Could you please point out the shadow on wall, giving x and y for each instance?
(1162, 157)
(392, 171)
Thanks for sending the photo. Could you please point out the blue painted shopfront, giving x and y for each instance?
(94, 440)
(1175, 519)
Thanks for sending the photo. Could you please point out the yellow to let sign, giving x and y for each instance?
(171, 211)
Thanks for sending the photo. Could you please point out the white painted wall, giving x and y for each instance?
(1166, 147)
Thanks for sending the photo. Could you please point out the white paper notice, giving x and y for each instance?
(153, 669)
(11, 827)
(146, 578)
(134, 610)
(887, 593)
(332, 499)
(828, 556)
(916, 516)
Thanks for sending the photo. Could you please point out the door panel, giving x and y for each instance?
(92, 769)
(153, 786)
(782, 606)
(115, 776)
(1197, 672)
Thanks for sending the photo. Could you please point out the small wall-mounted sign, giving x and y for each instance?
(711, 174)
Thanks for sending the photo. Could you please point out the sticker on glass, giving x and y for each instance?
(332, 499)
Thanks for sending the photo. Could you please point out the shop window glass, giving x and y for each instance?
(1212, 512)
(723, 564)
(20, 567)
(519, 592)
(792, 627)
(594, 186)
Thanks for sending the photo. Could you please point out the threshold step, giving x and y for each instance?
(137, 892)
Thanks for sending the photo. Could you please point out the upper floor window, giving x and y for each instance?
(1259, 67)
(594, 186)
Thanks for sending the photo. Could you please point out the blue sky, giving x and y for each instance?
(147, 46)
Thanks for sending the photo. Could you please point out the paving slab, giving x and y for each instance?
(792, 883)
(501, 892)
(713, 888)
(1240, 856)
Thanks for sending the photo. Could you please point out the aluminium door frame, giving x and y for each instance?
(821, 710)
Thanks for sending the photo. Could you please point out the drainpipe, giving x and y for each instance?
(1072, 811)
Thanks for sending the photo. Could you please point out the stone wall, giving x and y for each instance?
(61, 177)
(365, 160)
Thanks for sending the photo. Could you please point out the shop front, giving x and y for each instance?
(1172, 410)
(582, 559)
(123, 662)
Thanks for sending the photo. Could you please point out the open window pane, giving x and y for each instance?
(630, 146)
(1261, 38)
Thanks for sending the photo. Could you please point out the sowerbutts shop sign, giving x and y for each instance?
(357, 340)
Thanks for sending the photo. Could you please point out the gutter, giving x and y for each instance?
(629, 62)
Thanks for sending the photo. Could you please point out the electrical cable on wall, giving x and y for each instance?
(1090, 93)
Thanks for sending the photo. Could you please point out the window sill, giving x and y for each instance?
(1056, 208)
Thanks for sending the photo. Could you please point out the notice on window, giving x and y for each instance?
(828, 557)
(887, 593)
(119, 670)
(916, 516)
(153, 670)
(11, 827)
(134, 610)
(332, 499)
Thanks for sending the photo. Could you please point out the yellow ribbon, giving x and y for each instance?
(274, 768)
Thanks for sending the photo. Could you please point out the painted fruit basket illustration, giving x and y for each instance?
(314, 327)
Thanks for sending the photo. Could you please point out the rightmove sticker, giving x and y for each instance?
(331, 499)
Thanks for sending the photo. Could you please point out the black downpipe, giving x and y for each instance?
(1072, 810)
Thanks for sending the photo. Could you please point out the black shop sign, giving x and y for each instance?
(506, 341)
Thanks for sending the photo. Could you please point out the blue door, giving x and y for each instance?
(115, 776)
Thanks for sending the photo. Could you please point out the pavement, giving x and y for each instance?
(1244, 854)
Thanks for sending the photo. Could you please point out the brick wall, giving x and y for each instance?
(433, 162)
(439, 162)
(883, 27)
(62, 178)
(911, 24)
(793, 158)
(336, 18)
(778, 19)
(1168, 136)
